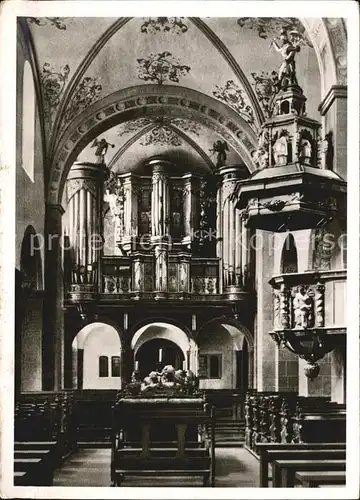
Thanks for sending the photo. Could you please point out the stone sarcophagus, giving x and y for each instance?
(160, 427)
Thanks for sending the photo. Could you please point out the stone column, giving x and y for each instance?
(53, 318)
(338, 375)
(85, 197)
(265, 346)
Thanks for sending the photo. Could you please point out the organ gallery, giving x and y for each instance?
(181, 251)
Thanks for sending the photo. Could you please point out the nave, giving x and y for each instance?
(235, 468)
(170, 436)
(180, 311)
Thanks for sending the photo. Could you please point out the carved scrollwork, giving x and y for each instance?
(156, 25)
(53, 84)
(75, 185)
(87, 92)
(234, 96)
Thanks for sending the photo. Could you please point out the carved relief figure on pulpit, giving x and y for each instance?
(280, 151)
(288, 49)
(305, 151)
(101, 149)
(261, 158)
(303, 306)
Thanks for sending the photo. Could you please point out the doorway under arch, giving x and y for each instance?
(177, 348)
(156, 353)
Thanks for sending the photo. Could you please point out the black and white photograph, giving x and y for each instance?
(175, 198)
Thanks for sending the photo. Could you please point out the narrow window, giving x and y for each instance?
(115, 366)
(103, 366)
(28, 122)
(215, 366)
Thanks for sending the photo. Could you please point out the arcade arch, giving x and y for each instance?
(163, 343)
(94, 346)
(234, 349)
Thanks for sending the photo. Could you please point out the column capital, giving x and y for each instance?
(87, 170)
(335, 92)
(159, 164)
(55, 208)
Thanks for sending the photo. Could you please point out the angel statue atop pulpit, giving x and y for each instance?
(288, 48)
(101, 149)
(220, 147)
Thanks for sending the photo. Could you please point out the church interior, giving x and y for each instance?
(180, 252)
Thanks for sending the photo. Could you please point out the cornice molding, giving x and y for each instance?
(335, 92)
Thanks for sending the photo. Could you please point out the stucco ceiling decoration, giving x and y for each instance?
(164, 24)
(114, 28)
(160, 68)
(79, 74)
(133, 126)
(161, 135)
(53, 83)
(136, 125)
(172, 136)
(235, 97)
(86, 93)
(57, 22)
(268, 27)
(266, 87)
(188, 126)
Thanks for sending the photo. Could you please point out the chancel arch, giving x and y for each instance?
(147, 100)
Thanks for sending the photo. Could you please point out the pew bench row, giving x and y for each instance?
(279, 463)
(35, 462)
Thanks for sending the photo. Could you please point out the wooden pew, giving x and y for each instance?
(51, 446)
(41, 433)
(22, 478)
(38, 470)
(315, 479)
(265, 450)
(92, 417)
(284, 470)
(318, 425)
(146, 420)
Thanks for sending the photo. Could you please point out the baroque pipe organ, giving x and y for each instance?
(178, 233)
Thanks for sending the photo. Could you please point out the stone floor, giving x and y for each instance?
(235, 467)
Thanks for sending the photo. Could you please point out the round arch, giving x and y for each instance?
(329, 39)
(96, 350)
(289, 256)
(243, 330)
(147, 100)
(160, 330)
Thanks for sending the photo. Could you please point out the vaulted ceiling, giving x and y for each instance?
(82, 60)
